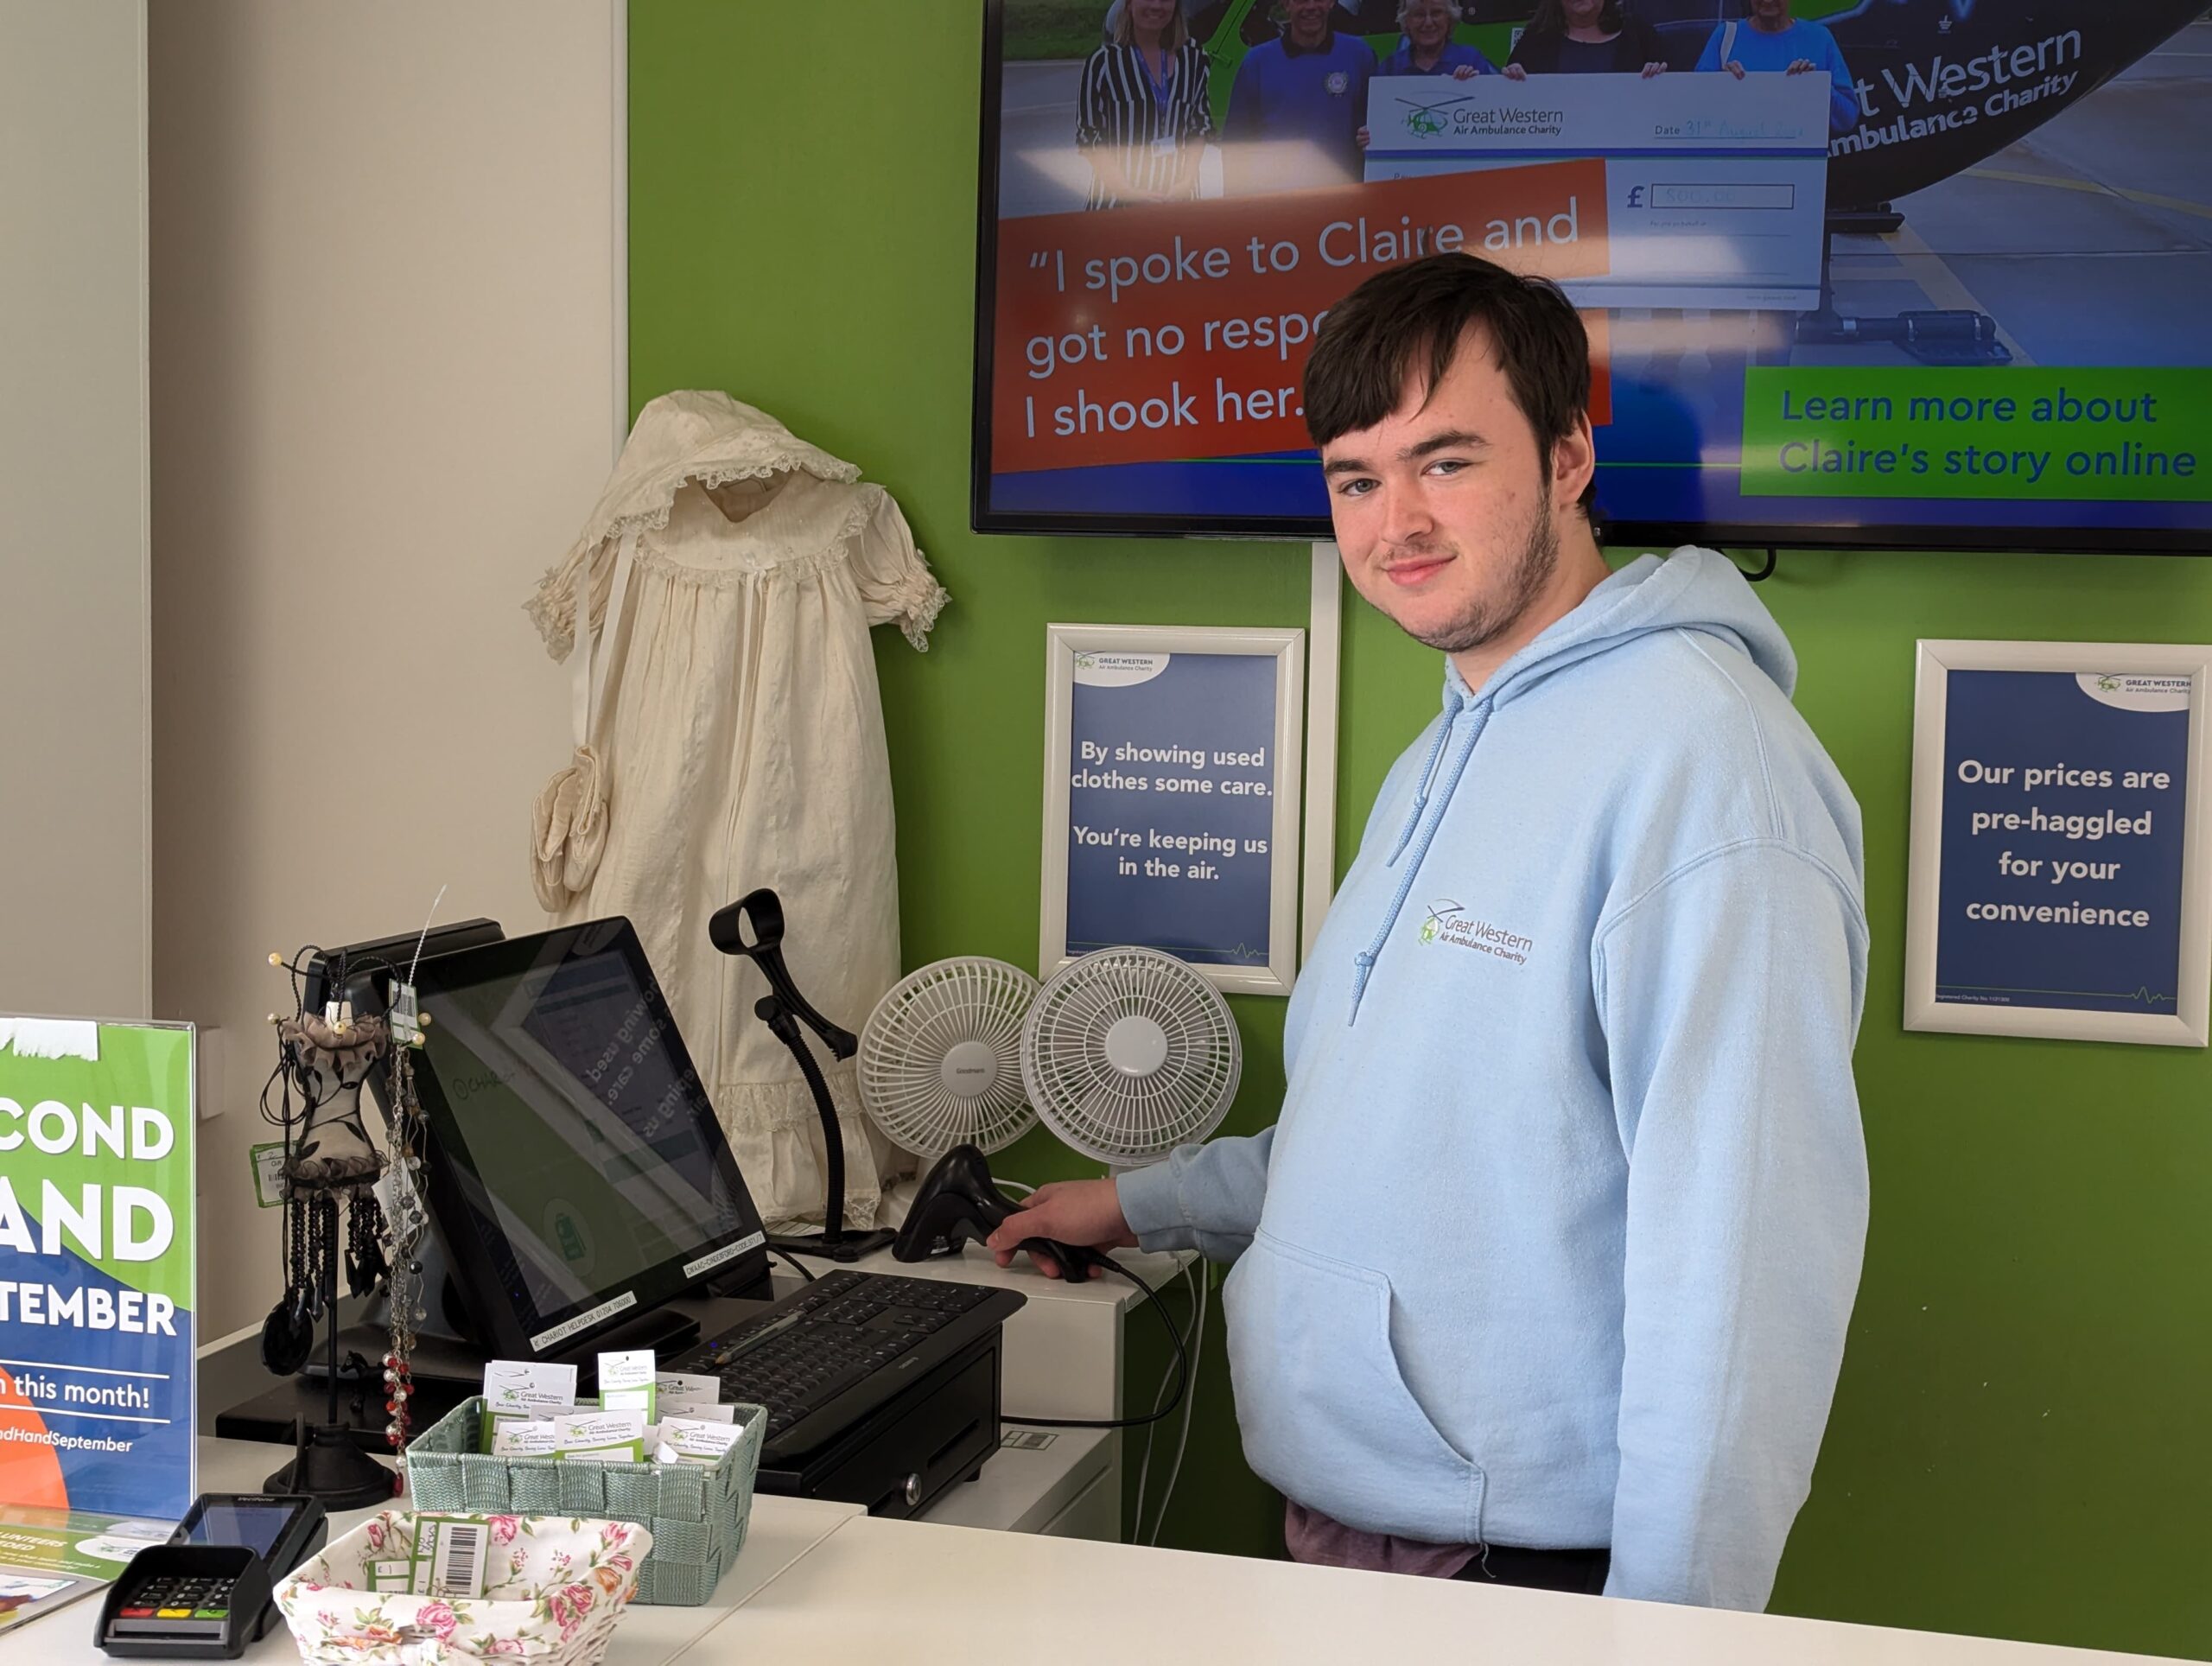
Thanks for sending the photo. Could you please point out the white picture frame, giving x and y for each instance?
(1286, 649)
(1926, 912)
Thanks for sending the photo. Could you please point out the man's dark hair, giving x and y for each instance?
(1407, 323)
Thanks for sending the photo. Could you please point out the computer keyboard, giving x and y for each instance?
(854, 1336)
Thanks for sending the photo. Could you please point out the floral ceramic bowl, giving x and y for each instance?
(553, 1588)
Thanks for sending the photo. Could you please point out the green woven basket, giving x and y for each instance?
(696, 1513)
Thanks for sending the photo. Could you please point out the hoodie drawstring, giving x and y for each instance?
(1363, 962)
(1451, 709)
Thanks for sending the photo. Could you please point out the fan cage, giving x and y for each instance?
(905, 1042)
(1093, 1107)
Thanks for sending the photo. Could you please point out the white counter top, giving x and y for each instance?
(824, 1584)
(781, 1532)
(925, 1594)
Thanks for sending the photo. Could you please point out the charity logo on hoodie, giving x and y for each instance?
(1449, 923)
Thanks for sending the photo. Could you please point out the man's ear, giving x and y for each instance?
(1574, 463)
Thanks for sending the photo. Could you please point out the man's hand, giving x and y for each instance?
(1799, 66)
(1734, 68)
(1514, 71)
(1658, 67)
(1087, 1213)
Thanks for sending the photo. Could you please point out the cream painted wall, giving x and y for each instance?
(74, 888)
(384, 380)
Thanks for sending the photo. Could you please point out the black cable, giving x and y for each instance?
(1182, 1372)
(797, 1265)
(338, 969)
(272, 1118)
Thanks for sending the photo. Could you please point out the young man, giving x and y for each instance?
(1297, 105)
(1544, 1274)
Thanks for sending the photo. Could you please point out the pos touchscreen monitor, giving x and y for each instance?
(575, 1166)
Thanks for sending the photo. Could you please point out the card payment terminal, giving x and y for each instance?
(209, 1592)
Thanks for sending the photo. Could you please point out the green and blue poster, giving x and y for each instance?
(97, 1267)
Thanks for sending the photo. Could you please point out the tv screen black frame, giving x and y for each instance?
(1654, 535)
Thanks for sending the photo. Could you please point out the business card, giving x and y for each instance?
(517, 1388)
(694, 1442)
(675, 1390)
(627, 1382)
(523, 1437)
(609, 1437)
(518, 1384)
(701, 1414)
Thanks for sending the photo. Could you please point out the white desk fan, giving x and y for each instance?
(940, 1057)
(1124, 1053)
(1127, 1053)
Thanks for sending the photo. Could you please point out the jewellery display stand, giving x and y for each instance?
(326, 1464)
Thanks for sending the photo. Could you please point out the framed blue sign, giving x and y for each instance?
(1171, 760)
(2059, 842)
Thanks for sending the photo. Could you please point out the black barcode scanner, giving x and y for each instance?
(959, 1202)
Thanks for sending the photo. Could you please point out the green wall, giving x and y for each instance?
(2020, 1446)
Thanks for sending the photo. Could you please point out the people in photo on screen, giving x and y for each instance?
(1543, 1273)
(1259, 21)
(1769, 40)
(1144, 111)
(1296, 107)
(1586, 37)
(1426, 46)
(1596, 37)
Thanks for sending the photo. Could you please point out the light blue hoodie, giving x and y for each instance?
(1556, 1239)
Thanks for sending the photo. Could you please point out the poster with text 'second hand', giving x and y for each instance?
(97, 1267)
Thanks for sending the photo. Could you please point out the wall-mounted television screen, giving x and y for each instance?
(1902, 272)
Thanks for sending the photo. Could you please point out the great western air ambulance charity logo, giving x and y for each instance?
(1449, 923)
(1426, 121)
(1337, 82)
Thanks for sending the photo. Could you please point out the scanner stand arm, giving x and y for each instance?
(833, 1242)
(783, 1009)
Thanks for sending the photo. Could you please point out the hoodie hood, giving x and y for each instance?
(1695, 590)
(1692, 589)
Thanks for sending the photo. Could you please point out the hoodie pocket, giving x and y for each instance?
(1326, 1416)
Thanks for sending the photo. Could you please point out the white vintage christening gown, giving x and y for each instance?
(730, 735)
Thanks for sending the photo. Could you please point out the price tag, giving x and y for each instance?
(267, 1160)
(449, 1560)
